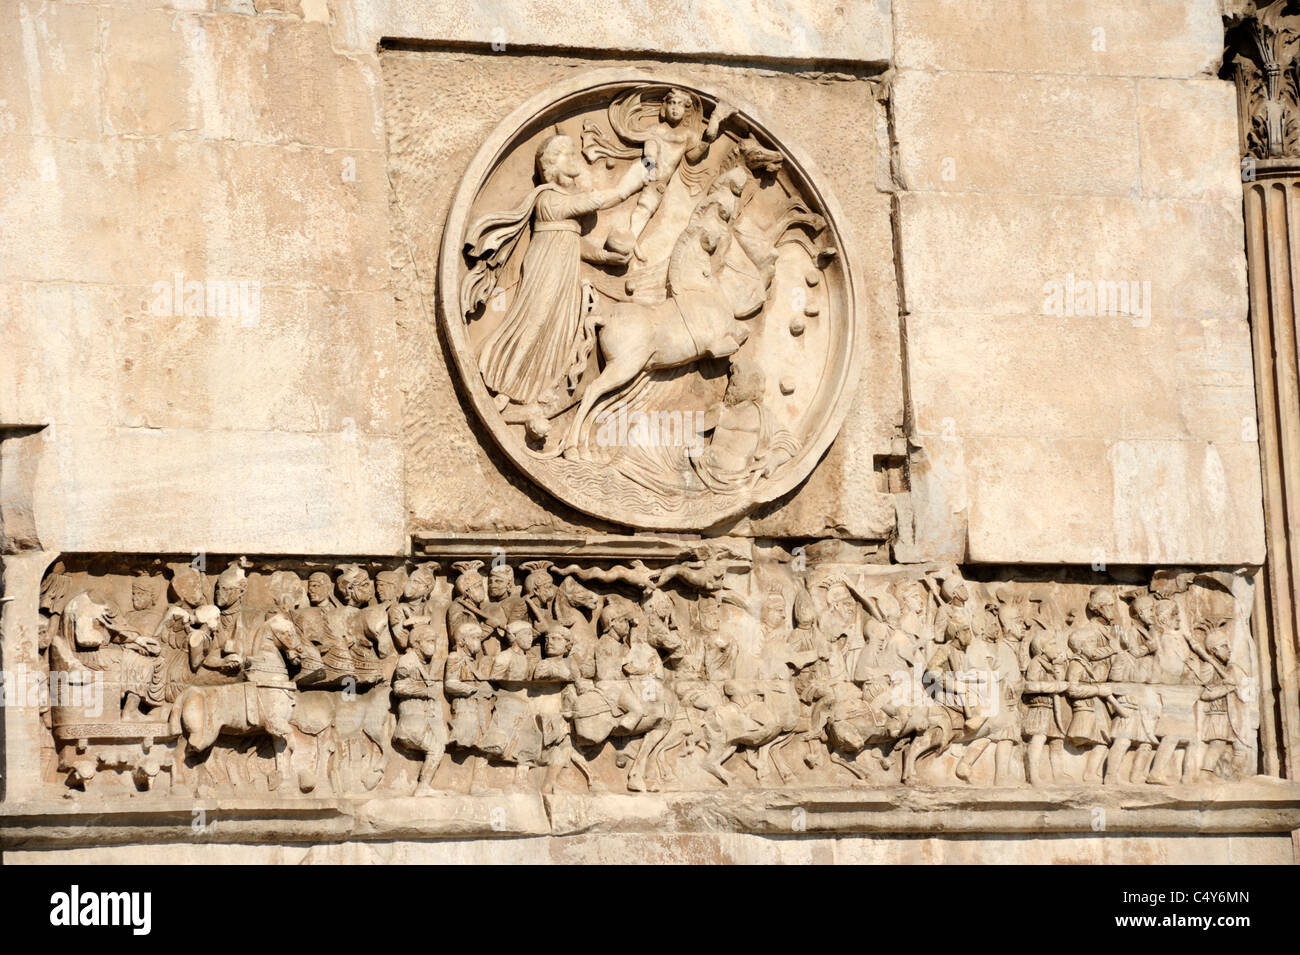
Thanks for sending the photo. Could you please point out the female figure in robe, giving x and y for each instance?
(537, 355)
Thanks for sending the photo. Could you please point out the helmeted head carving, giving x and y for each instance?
(954, 591)
(501, 582)
(421, 581)
(1101, 602)
(1219, 645)
(617, 616)
(538, 581)
(388, 585)
(889, 608)
(470, 583)
(187, 586)
(287, 591)
(230, 585)
(354, 586)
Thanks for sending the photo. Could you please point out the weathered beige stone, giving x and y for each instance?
(1188, 136)
(1113, 502)
(280, 366)
(974, 253)
(780, 30)
(1169, 379)
(185, 490)
(247, 79)
(697, 849)
(278, 215)
(1018, 463)
(1178, 38)
(1050, 134)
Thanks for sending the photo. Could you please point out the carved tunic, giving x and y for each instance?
(1088, 723)
(313, 623)
(470, 710)
(1044, 713)
(418, 686)
(514, 734)
(540, 350)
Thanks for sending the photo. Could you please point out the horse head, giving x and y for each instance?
(577, 595)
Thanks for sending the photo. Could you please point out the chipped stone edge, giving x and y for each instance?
(1260, 805)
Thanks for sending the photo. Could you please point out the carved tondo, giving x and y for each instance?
(648, 302)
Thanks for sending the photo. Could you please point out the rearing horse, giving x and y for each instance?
(698, 319)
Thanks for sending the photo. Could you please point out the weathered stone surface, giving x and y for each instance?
(720, 848)
(1178, 38)
(977, 253)
(248, 79)
(219, 232)
(185, 490)
(1050, 134)
(450, 464)
(1187, 132)
(1109, 502)
(780, 30)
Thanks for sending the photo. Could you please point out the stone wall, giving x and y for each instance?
(220, 229)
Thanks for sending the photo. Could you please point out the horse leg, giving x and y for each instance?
(772, 756)
(850, 764)
(306, 776)
(278, 726)
(333, 760)
(714, 759)
(974, 750)
(636, 776)
(378, 730)
(179, 775)
(283, 744)
(762, 761)
(579, 762)
(1003, 750)
(674, 737)
(619, 370)
(921, 745)
(776, 755)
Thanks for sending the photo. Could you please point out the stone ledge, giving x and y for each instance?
(1261, 805)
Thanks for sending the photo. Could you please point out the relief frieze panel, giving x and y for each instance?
(725, 665)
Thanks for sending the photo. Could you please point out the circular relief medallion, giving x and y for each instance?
(647, 301)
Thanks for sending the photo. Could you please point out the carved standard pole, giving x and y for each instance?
(1261, 57)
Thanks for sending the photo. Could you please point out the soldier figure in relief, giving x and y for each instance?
(418, 688)
(1046, 710)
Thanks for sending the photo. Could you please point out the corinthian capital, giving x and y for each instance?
(1262, 42)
